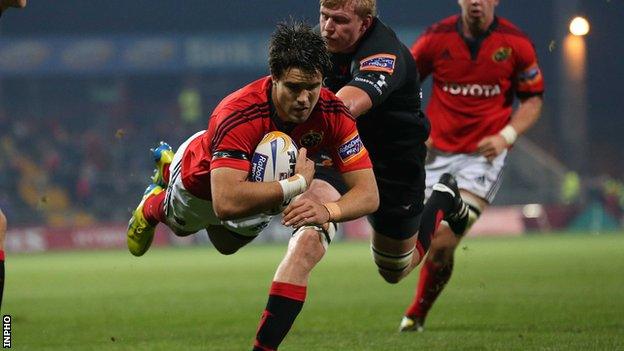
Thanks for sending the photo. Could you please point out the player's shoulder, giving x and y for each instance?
(507, 28)
(330, 106)
(380, 38)
(250, 100)
(444, 26)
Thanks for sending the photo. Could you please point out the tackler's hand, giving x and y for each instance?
(305, 211)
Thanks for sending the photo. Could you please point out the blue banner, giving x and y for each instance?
(75, 55)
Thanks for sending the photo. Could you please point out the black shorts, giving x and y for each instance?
(400, 179)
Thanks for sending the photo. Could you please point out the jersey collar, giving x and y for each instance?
(475, 44)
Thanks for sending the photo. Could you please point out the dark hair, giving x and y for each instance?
(296, 45)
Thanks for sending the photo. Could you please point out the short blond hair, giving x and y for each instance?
(363, 8)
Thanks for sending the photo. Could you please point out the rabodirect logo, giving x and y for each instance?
(258, 162)
(476, 90)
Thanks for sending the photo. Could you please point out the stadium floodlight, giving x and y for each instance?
(579, 26)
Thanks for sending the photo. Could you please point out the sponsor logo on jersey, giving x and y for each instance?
(476, 90)
(258, 162)
(501, 54)
(530, 76)
(311, 139)
(351, 149)
(379, 62)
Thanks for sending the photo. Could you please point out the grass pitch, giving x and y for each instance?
(559, 292)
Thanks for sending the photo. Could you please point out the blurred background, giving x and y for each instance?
(86, 88)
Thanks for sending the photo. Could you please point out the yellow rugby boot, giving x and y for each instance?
(163, 156)
(140, 231)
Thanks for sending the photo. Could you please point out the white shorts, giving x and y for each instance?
(187, 213)
(473, 172)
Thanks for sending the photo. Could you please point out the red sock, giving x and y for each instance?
(153, 208)
(433, 279)
(285, 303)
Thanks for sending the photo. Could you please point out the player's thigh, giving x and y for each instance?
(473, 172)
(185, 212)
(401, 182)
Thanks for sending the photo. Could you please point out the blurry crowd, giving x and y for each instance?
(83, 157)
(76, 152)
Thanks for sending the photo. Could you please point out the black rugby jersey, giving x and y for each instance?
(384, 68)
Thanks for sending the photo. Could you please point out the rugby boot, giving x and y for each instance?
(140, 231)
(457, 217)
(409, 324)
(163, 156)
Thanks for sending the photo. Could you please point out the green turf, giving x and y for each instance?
(529, 293)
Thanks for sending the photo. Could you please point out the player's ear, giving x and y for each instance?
(366, 23)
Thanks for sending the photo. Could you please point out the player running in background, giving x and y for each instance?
(5, 4)
(478, 62)
(207, 182)
(375, 76)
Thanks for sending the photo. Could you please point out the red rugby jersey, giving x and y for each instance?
(473, 92)
(240, 121)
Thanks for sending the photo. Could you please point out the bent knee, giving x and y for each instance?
(391, 277)
(227, 250)
(308, 246)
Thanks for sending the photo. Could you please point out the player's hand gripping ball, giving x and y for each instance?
(274, 160)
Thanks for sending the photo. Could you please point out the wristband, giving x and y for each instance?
(334, 211)
(509, 134)
(293, 186)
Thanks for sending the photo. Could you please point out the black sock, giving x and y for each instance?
(438, 205)
(285, 303)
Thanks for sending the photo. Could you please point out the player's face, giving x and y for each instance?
(342, 27)
(478, 14)
(295, 94)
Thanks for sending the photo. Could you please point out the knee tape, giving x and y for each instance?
(392, 262)
(326, 235)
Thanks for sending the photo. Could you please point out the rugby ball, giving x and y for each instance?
(273, 160)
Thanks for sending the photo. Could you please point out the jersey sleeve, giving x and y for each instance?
(421, 51)
(233, 146)
(379, 70)
(347, 150)
(528, 79)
